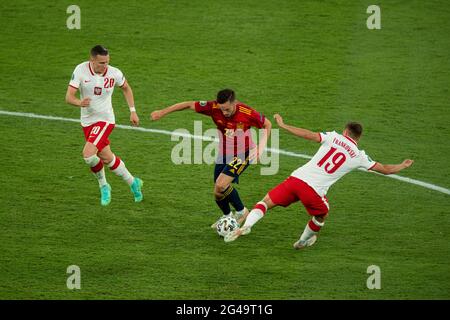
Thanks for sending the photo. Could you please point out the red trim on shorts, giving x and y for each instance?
(325, 200)
(103, 142)
(116, 164)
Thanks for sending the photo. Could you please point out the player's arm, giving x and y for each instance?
(128, 94)
(73, 100)
(158, 114)
(267, 126)
(392, 168)
(299, 132)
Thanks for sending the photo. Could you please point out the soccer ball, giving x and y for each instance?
(226, 225)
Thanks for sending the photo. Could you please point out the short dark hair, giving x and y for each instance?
(99, 50)
(355, 129)
(226, 95)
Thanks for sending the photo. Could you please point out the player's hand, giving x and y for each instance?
(408, 163)
(278, 119)
(156, 115)
(134, 119)
(85, 102)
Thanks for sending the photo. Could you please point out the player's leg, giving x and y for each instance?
(252, 218)
(235, 168)
(236, 202)
(117, 166)
(281, 195)
(258, 212)
(95, 136)
(222, 190)
(310, 233)
(223, 204)
(317, 207)
(94, 162)
(97, 168)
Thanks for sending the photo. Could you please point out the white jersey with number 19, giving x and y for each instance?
(98, 87)
(337, 156)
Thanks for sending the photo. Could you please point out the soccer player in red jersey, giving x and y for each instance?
(338, 155)
(236, 148)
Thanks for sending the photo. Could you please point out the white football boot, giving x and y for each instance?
(300, 244)
(233, 235)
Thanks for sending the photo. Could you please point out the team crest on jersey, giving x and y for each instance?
(203, 103)
(98, 91)
(240, 125)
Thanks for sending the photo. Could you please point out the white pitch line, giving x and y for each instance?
(205, 138)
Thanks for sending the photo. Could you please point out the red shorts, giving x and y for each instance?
(98, 134)
(293, 189)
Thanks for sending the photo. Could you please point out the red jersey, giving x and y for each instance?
(235, 136)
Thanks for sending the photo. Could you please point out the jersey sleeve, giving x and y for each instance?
(366, 162)
(325, 137)
(75, 81)
(257, 119)
(119, 78)
(204, 107)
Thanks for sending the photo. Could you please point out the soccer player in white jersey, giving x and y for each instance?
(96, 80)
(337, 156)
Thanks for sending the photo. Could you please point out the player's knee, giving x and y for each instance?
(217, 192)
(267, 200)
(221, 187)
(88, 153)
(107, 160)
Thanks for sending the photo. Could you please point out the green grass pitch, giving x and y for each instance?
(314, 62)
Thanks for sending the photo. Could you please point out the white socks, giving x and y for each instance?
(312, 228)
(97, 169)
(100, 175)
(256, 214)
(118, 167)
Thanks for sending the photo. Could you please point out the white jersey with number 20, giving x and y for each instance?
(337, 156)
(98, 87)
